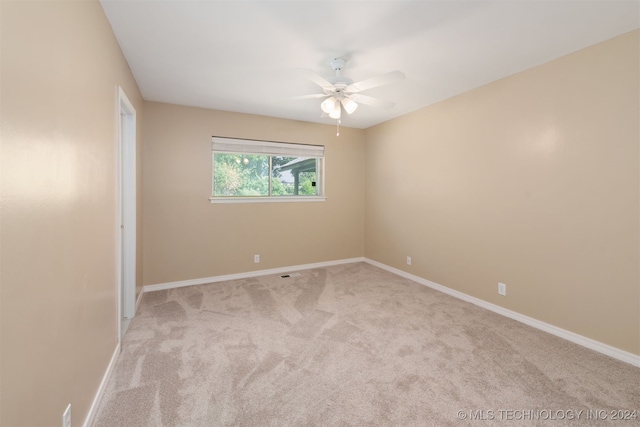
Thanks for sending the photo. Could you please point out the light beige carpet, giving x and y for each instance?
(350, 345)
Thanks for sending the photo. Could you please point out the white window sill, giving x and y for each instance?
(275, 199)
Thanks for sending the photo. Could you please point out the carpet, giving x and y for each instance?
(351, 345)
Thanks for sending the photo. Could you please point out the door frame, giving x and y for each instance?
(126, 210)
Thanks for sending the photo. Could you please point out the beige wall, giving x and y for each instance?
(187, 237)
(61, 67)
(532, 181)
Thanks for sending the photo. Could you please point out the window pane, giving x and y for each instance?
(294, 176)
(240, 175)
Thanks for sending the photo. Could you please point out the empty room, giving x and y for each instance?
(319, 213)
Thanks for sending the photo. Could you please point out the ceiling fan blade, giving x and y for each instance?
(314, 96)
(370, 100)
(382, 79)
(316, 78)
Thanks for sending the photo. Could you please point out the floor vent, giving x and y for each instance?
(286, 276)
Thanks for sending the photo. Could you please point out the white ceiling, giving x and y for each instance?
(244, 56)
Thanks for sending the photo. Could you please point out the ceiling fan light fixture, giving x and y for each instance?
(349, 105)
(329, 104)
(335, 113)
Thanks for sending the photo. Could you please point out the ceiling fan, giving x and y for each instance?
(342, 94)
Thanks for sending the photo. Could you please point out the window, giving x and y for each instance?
(256, 171)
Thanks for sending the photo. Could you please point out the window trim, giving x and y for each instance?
(266, 199)
(268, 148)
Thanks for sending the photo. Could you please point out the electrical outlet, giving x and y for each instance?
(502, 289)
(408, 260)
(66, 417)
(256, 258)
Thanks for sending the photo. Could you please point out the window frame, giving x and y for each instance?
(268, 148)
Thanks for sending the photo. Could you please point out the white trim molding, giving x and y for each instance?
(138, 300)
(583, 341)
(101, 389)
(267, 199)
(214, 279)
(126, 208)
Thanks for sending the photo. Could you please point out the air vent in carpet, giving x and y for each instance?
(286, 276)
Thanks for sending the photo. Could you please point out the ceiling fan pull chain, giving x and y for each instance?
(338, 127)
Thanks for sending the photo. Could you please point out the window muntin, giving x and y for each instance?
(249, 170)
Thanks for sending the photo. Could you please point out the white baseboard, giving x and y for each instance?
(103, 385)
(214, 279)
(589, 343)
(135, 310)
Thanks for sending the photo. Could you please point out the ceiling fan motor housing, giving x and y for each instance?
(340, 82)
